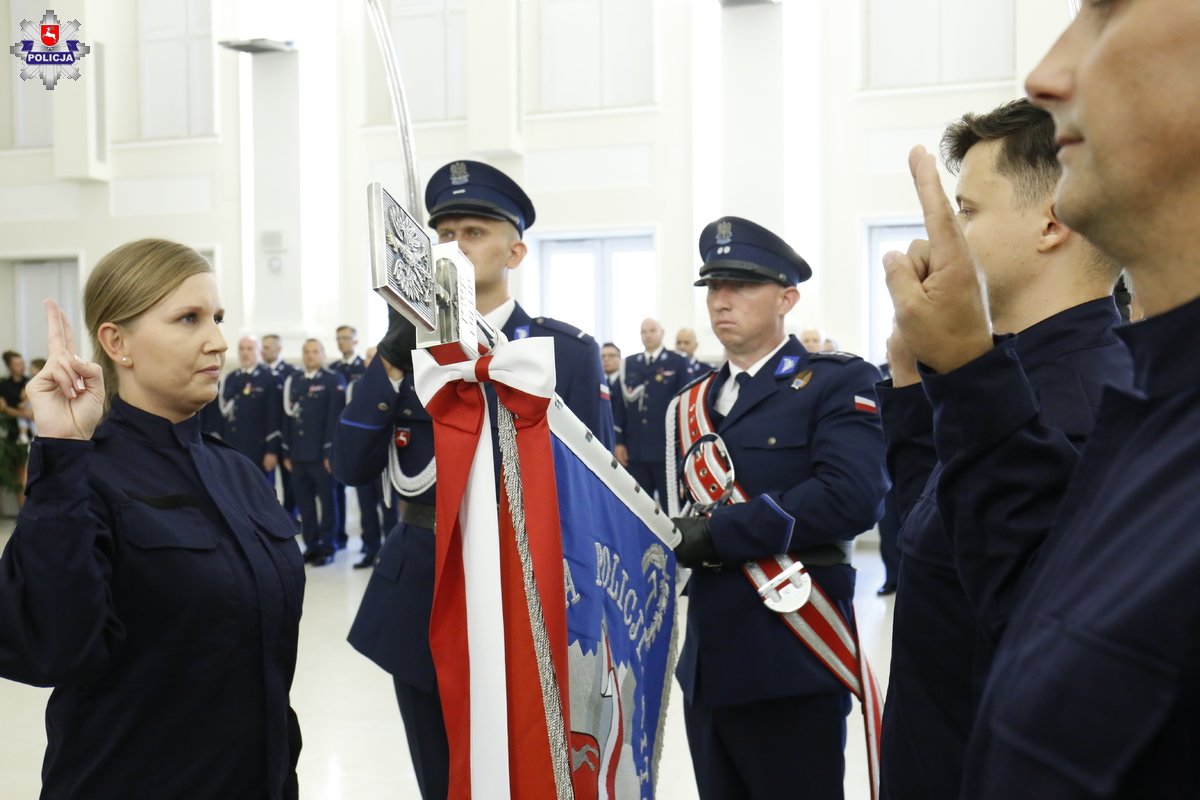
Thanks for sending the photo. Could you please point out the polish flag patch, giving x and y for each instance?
(605, 392)
(865, 404)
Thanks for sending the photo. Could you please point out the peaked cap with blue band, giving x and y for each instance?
(736, 249)
(475, 189)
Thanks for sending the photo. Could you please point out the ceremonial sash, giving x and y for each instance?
(783, 583)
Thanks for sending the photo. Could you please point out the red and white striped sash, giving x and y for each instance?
(783, 583)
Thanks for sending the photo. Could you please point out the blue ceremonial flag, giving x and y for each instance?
(621, 603)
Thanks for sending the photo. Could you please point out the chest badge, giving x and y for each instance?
(802, 380)
(403, 437)
(246, 390)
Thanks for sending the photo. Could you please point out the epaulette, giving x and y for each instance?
(837, 355)
(564, 328)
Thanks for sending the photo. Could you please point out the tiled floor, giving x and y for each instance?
(354, 747)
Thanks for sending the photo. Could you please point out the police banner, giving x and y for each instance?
(621, 605)
(553, 621)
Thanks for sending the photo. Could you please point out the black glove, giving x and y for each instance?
(397, 344)
(695, 548)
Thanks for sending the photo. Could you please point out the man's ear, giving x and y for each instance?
(516, 254)
(788, 299)
(1054, 232)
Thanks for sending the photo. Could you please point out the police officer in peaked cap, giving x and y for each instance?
(765, 718)
(487, 213)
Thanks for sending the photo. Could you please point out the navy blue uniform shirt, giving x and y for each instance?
(938, 658)
(155, 582)
(314, 405)
(1093, 690)
(251, 406)
(799, 442)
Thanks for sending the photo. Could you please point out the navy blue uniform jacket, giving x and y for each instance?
(155, 582)
(798, 443)
(251, 405)
(392, 625)
(350, 370)
(316, 403)
(645, 435)
(939, 660)
(1093, 690)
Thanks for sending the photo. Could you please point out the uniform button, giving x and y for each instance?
(382, 406)
(408, 412)
(645, 422)
(771, 441)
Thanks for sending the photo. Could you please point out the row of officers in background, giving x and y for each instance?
(281, 415)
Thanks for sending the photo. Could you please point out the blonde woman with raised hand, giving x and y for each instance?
(152, 579)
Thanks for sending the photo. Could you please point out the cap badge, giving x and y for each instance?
(724, 232)
(458, 174)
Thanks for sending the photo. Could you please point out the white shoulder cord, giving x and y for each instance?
(289, 408)
(226, 406)
(408, 485)
(673, 509)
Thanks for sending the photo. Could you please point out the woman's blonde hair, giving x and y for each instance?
(129, 281)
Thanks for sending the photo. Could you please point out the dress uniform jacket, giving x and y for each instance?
(645, 435)
(696, 369)
(1092, 691)
(154, 581)
(350, 370)
(798, 443)
(252, 409)
(938, 658)
(316, 403)
(392, 625)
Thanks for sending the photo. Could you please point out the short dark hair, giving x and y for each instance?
(1028, 155)
(9, 355)
(353, 330)
(612, 345)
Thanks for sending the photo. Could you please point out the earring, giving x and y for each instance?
(125, 360)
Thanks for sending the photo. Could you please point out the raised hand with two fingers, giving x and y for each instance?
(938, 293)
(67, 396)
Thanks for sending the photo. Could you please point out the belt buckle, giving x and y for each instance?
(789, 596)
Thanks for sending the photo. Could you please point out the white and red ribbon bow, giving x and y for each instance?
(481, 632)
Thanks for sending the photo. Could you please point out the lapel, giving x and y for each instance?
(764, 383)
(516, 319)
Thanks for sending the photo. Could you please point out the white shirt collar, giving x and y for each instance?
(498, 316)
(650, 358)
(313, 374)
(734, 371)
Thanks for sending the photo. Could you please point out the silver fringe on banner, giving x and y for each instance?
(551, 698)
